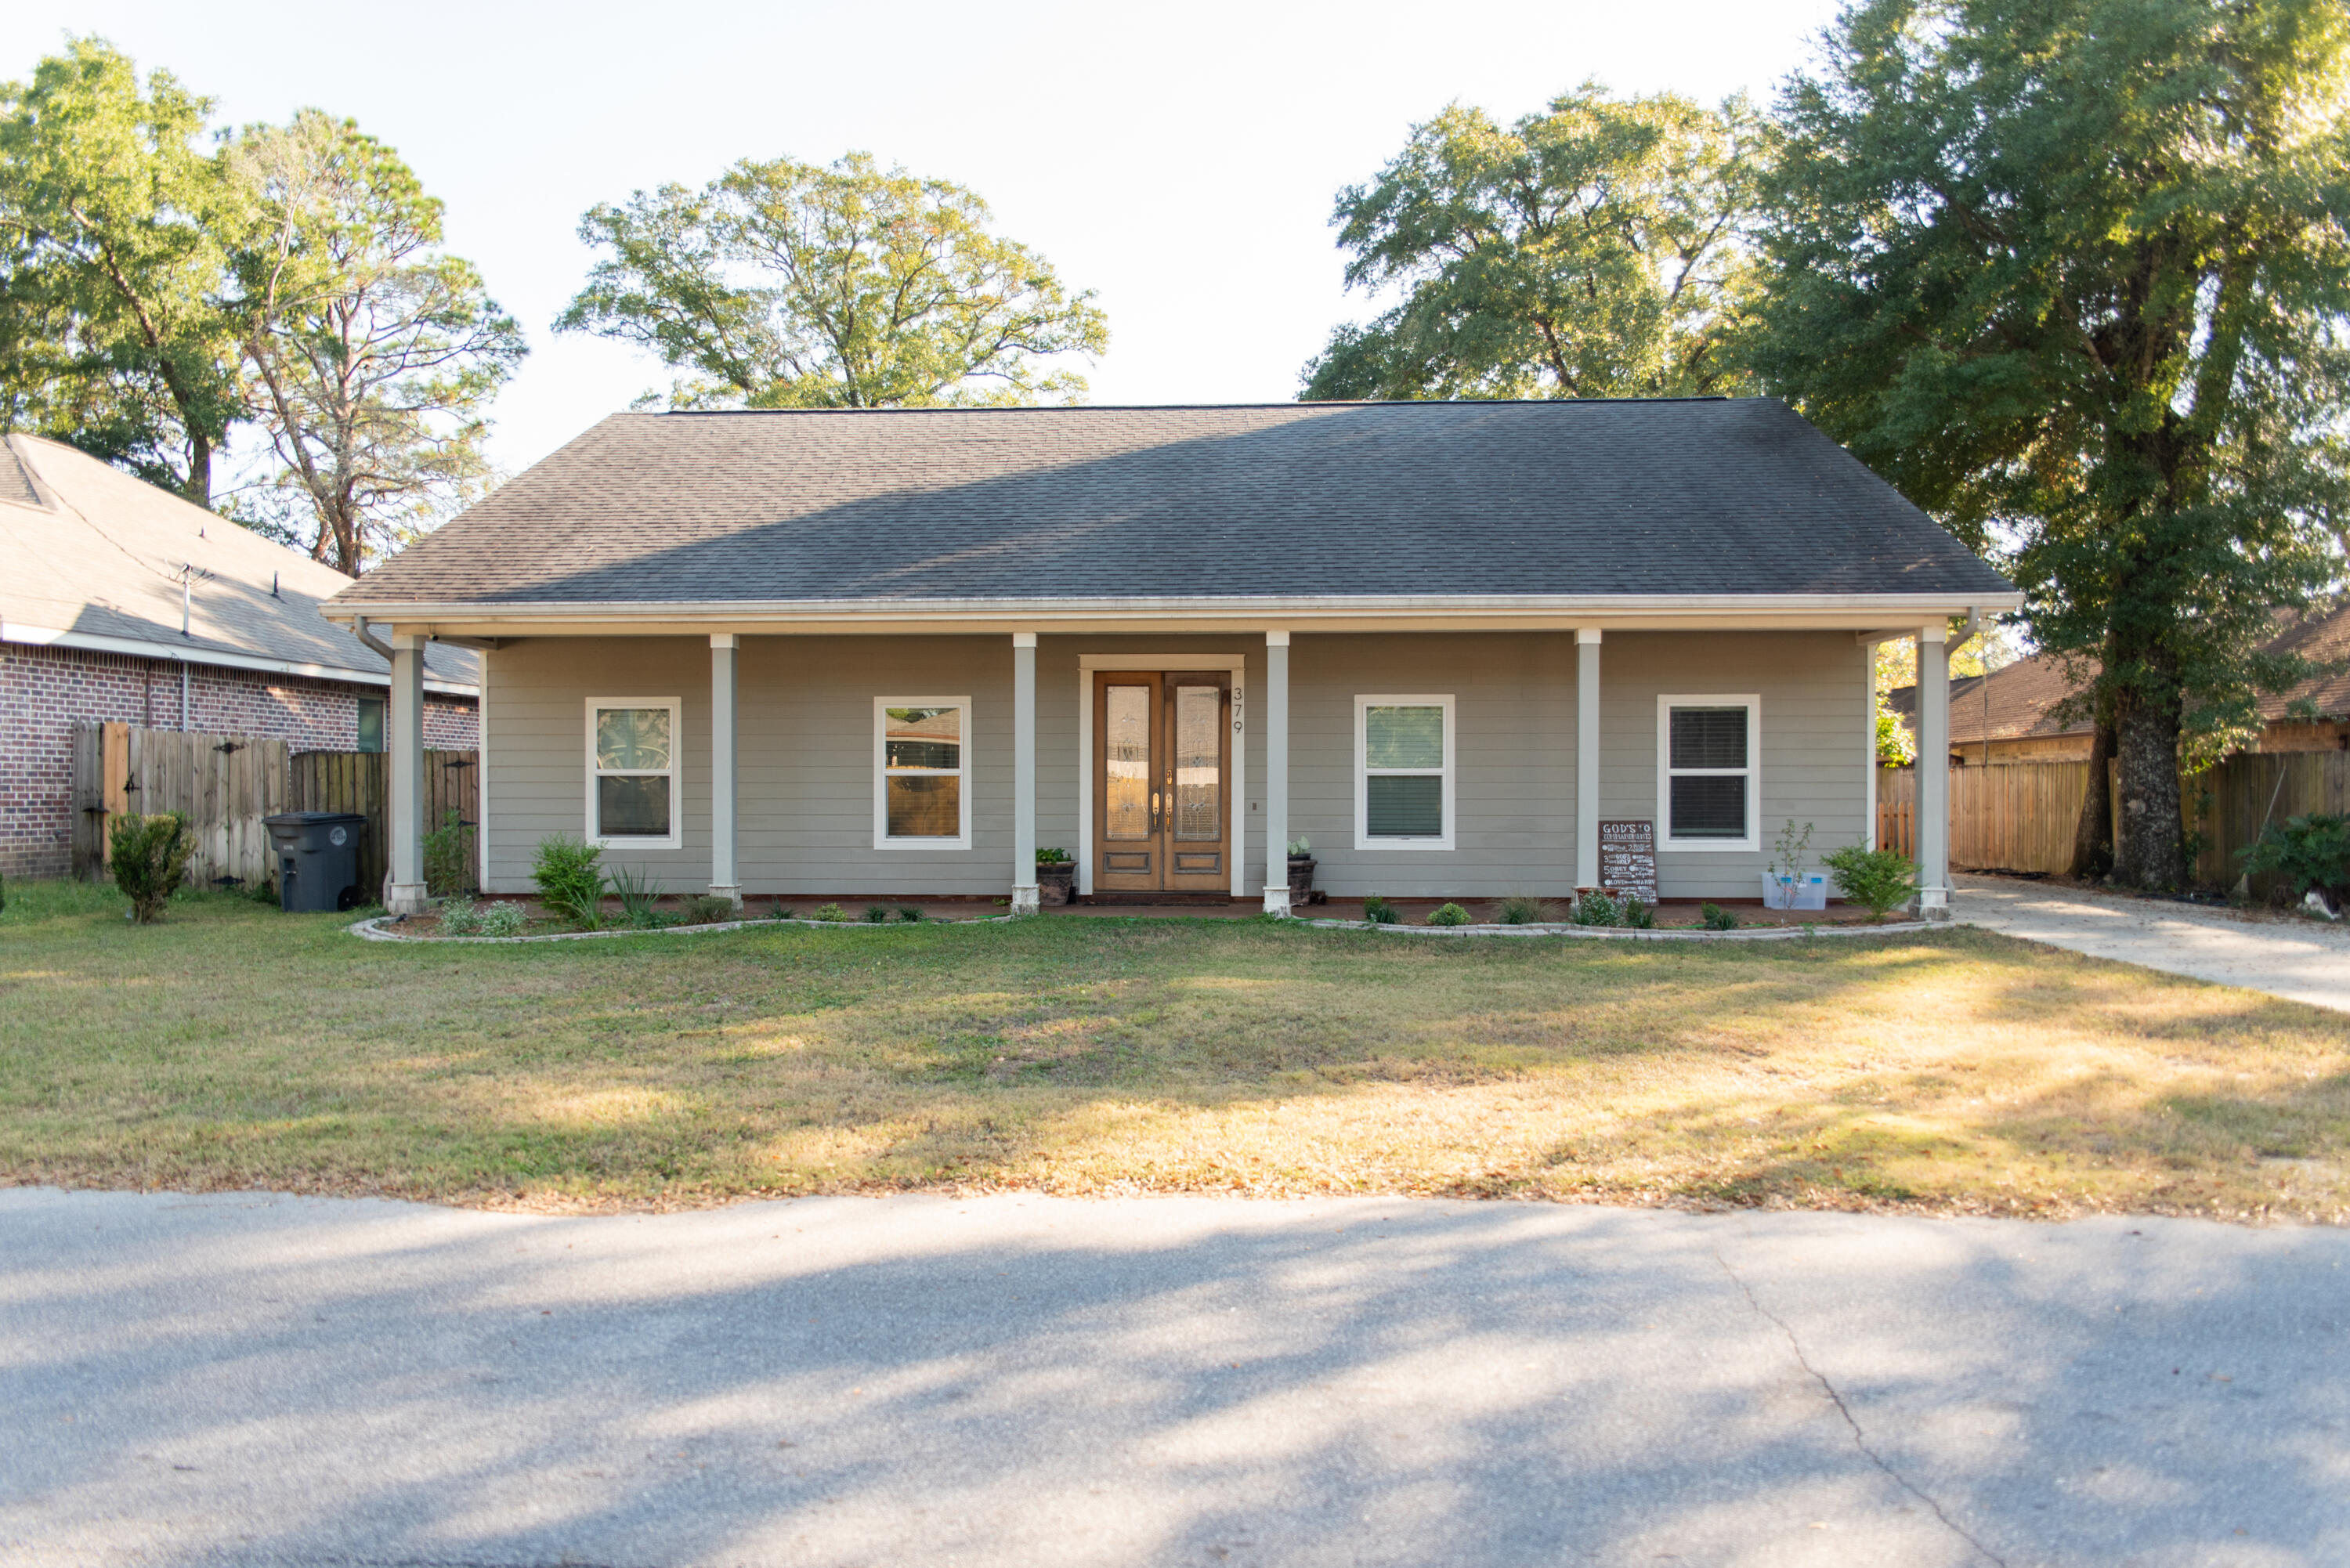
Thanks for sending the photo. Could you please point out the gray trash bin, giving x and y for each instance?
(317, 858)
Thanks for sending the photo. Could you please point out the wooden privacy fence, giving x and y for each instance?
(360, 781)
(222, 785)
(2022, 817)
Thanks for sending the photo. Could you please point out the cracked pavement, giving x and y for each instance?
(249, 1378)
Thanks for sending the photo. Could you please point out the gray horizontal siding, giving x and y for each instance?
(804, 734)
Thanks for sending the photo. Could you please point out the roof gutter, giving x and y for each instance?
(92, 642)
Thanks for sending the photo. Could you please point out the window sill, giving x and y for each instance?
(1366, 844)
(921, 844)
(1708, 845)
(673, 841)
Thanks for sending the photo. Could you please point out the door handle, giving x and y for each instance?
(1154, 811)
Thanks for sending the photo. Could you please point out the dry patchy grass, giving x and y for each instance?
(234, 1046)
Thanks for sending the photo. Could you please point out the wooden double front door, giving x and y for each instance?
(1162, 782)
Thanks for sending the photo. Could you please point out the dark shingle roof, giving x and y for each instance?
(1647, 498)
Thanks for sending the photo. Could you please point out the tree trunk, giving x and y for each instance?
(2092, 840)
(2150, 848)
(200, 469)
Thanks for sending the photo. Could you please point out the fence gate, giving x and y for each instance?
(222, 785)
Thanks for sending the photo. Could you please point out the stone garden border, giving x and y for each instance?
(382, 929)
(1629, 934)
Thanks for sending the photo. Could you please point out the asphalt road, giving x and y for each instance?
(257, 1379)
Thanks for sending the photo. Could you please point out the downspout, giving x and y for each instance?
(374, 644)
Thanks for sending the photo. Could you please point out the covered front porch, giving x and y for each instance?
(1420, 760)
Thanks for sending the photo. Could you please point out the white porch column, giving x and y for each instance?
(1868, 743)
(1587, 756)
(1277, 773)
(404, 891)
(1024, 772)
(725, 881)
(1934, 771)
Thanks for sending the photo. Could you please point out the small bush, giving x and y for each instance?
(877, 914)
(569, 874)
(1717, 918)
(2310, 852)
(782, 910)
(1883, 880)
(448, 857)
(708, 909)
(1523, 911)
(830, 912)
(502, 920)
(639, 898)
(1595, 907)
(1447, 915)
(150, 856)
(460, 917)
(1639, 916)
(1054, 856)
(909, 913)
(1379, 912)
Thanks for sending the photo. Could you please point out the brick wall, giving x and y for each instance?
(45, 691)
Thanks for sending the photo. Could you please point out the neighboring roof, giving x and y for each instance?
(91, 558)
(2021, 700)
(1655, 498)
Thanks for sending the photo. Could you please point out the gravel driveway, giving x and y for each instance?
(2291, 957)
(252, 1379)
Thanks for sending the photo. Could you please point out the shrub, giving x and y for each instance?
(502, 919)
(1447, 915)
(708, 909)
(1523, 911)
(569, 876)
(1595, 907)
(639, 898)
(2311, 852)
(830, 912)
(460, 917)
(877, 914)
(1717, 918)
(150, 856)
(1301, 848)
(1379, 912)
(1883, 880)
(448, 857)
(909, 913)
(1054, 856)
(782, 910)
(1639, 916)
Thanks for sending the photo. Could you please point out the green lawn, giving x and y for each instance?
(234, 1046)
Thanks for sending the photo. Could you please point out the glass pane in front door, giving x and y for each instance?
(1126, 759)
(1198, 763)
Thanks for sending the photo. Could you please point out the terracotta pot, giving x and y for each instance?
(1055, 880)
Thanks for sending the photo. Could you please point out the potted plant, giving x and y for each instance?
(1301, 872)
(1056, 876)
(1785, 884)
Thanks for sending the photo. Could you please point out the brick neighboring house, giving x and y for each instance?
(2018, 714)
(91, 569)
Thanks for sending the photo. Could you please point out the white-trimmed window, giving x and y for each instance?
(1403, 773)
(633, 744)
(921, 773)
(1709, 771)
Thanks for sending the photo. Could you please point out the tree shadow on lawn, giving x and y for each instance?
(837, 1382)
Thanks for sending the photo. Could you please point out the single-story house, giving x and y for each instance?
(893, 653)
(121, 602)
(2023, 713)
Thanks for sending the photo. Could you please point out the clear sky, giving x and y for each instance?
(1180, 160)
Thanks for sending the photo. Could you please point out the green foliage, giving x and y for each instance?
(149, 855)
(1523, 911)
(377, 355)
(783, 284)
(710, 909)
(1054, 856)
(832, 913)
(2311, 851)
(569, 873)
(877, 914)
(640, 897)
(1883, 880)
(449, 857)
(1595, 907)
(909, 913)
(1895, 747)
(2074, 275)
(1379, 912)
(1638, 915)
(502, 919)
(1595, 250)
(114, 226)
(1301, 848)
(781, 911)
(460, 917)
(1447, 915)
(1790, 852)
(1714, 918)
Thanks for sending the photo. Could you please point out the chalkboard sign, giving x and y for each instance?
(1628, 858)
